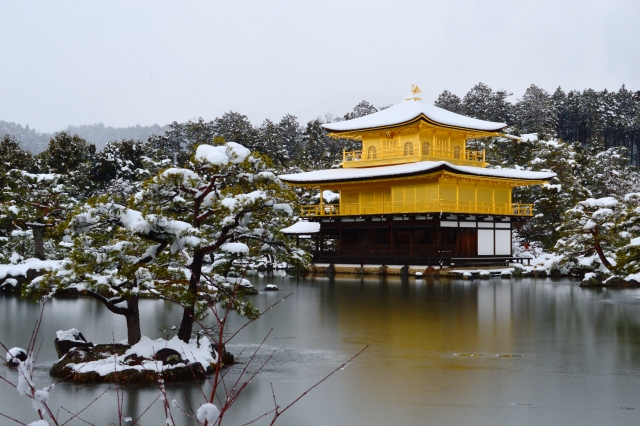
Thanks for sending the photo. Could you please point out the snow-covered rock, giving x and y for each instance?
(15, 356)
(271, 287)
(68, 339)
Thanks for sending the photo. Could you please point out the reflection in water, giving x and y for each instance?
(441, 352)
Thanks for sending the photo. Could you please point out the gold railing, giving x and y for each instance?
(417, 153)
(436, 206)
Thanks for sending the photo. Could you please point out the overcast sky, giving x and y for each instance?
(142, 62)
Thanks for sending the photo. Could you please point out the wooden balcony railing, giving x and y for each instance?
(399, 155)
(433, 206)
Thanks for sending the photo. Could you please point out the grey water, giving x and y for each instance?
(441, 352)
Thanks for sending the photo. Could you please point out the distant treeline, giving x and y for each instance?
(612, 118)
(588, 116)
(97, 134)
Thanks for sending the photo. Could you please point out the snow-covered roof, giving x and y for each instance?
(418, 168)
(302, 227)
(408, 111)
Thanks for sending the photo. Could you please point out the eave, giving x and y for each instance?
(357, 134)
(442, 170)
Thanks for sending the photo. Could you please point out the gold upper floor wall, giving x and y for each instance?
(437, 193)
(410, 144)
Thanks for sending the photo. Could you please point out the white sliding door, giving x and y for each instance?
(485, 242)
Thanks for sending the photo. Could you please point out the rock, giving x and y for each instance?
(591, 279)
(15, 356)
(431, 272)
(271, 287)
(467, 276)
(226, 358)
(539, 273)
(404, 271)
(485, 275)
(419, 275)
(10, 285)
(506, 274)
(383, 270)
(518, 270)
(67, 340)
(169, 356)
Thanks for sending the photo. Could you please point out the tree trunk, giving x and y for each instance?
(186, 325)
(133, 320)
(38, 233)
(598, 247)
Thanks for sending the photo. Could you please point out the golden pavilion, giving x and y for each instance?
(415, 193)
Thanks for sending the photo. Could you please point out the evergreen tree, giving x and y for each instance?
(38, 202)
(360, 110)
(588, 237)
(628, 230)
(483, 103)
(181, 138)
(550, 201)
(120, 160)
(535, 112)
(291, 137)
(450, 102)
(181, 236)
(271, 144)
(233, 126)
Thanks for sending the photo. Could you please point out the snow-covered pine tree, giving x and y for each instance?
(271, 144)
(290, 135)
(70, 157)
(181, 235)
(588, 234)
(178, 142)
(36, 201)
(123, 160)
(234, 205)
(607, 172)
(628, 230)
(556, 197)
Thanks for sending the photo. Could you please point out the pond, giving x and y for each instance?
(441, 352)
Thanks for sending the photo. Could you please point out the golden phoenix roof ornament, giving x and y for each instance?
(415, 91)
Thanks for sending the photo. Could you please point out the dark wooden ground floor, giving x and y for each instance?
(409, 240)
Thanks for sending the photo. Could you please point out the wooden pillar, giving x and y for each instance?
(391, 232)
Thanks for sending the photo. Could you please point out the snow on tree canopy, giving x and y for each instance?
(235, 248)
(606, 202)
(221, 155)
(22, 268)
(302, 227)
(408, 111)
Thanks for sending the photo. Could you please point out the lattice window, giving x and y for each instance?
(408, 148)
(371, 153)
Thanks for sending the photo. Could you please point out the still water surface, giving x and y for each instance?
(443, 352)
